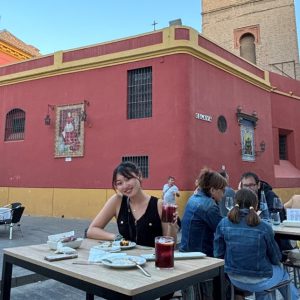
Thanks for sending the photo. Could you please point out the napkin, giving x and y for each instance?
(96, 255)
(60, 236)
(64, 249)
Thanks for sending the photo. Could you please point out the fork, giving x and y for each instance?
(86, 263)
(140, 267)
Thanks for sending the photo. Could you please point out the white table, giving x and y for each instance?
(108, 282)
(290, 233)
(5, 213)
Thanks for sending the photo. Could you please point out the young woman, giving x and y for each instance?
(199, 223)
(138, 214)
(202, 215)
(252, 256)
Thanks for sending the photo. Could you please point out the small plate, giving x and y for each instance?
(124, 262)
(129, 246)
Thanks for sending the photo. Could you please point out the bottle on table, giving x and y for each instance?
(263, 206)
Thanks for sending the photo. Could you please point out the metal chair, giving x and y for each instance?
(271, 291)
(293, 268)
(15, 204)
(16, 214)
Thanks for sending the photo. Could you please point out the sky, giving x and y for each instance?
(56, 25)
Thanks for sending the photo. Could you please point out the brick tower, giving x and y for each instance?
(261, 31)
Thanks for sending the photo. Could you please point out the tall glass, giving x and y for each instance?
(277, 204)
(168, 211)
(275, 218)
(229, 203)
(164, 252)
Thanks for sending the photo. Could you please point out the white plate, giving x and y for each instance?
(124, 262)
(129, 246)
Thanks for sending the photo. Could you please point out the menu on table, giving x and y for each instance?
(293, 214)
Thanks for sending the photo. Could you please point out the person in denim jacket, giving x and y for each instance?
(251, 180)
(252, 256)
(199, 222)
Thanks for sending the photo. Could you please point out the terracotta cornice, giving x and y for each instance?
(14, 52)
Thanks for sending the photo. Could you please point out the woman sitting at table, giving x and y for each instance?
(252, 256)
(138, 214)
(199, 222)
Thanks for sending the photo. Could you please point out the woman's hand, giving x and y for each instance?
(175, 217)
(174, 224)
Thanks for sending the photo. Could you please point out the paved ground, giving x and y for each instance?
(35, 231)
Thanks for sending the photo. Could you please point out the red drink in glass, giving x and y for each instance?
(164, 252)
(168, 211)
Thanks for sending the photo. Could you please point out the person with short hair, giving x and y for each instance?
(252, 181)
(170, 191)
(252, 256)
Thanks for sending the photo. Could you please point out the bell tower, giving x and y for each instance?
(261, 31)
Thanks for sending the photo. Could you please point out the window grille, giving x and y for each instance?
(283, 147)
(15, 125)
(141, 161)
(139, 93)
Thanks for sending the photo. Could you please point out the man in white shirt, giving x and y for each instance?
(170, 191)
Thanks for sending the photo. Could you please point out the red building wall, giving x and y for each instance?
(176, 142)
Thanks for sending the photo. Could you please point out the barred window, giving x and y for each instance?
(139, 93)
(15, 125)
(283, 147)
(141, 162)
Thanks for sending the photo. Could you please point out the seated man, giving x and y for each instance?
(252, 181)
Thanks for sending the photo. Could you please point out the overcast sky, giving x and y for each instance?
(55, 25)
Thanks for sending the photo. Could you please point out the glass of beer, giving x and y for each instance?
(164, 252)
(168, 211)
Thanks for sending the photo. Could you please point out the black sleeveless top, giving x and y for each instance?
(144, 230)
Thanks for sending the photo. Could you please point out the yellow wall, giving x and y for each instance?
(83, 203)
(286, 194)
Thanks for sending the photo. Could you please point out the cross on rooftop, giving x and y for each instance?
(153, 24)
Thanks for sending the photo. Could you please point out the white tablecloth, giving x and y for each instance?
(5, 213)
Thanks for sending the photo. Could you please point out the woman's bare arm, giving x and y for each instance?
(109, 210)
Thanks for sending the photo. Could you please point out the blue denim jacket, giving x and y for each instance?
(199, 223)
(248, 251)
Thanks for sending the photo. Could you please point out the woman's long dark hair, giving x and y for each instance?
(245, 198)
